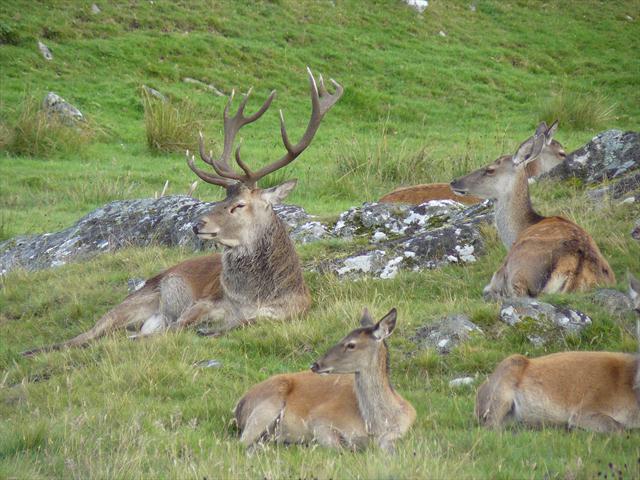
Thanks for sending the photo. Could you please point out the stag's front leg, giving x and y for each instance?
(199, 312)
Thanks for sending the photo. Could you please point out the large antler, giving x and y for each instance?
(321, 103)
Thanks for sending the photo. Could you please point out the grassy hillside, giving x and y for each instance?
(418, 107)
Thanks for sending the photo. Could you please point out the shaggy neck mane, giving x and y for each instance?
(267, 267)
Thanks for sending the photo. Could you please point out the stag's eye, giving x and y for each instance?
(351, 346)
(240, 205)
(490, 171)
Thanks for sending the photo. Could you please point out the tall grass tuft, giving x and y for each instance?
(169, 127)
(578, 110)
(37, 133)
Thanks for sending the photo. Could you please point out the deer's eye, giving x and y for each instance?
(351, 346)
(490, 171)
(240, 205)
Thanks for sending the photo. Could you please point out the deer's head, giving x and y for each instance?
(360, 348)
(235, 220)
(500, 176)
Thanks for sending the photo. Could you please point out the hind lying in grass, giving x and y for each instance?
(347, 408)
(546, 254)
(597, 391)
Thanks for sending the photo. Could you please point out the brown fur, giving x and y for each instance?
(546, 254)
(340, 409)
(592, 390)
(417, 194)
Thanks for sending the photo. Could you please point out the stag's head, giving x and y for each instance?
(500, 176)
(235, 220)
(360, 348)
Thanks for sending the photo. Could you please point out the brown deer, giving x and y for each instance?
(347, 408)
(552, 155)
(259, 273)
(592, 390)
(546, 254)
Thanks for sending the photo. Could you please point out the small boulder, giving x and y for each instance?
(154, 93)
(608, 155)
(616, 303)
(54, 104)
(447, 333)
(95, 9)
(44, 50)
(635, 232)
(461, 382)
(542, 322)
(418, 5)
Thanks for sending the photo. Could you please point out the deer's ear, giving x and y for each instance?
(541, 129)
(366, 320)
(277, 194)
(551, 131)
(529, 150)
(385, 326)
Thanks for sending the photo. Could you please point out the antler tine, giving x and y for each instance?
(207, 177)
(321, 103)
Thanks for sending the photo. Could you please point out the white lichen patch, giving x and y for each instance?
(391, 269)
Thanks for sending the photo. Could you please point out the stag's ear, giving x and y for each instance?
(529, 150)
(385, 326)
(551, 131)
(366, 320)
(277, 194)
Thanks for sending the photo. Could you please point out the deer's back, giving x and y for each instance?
(417, 194)
(568, 383)
(557, 256)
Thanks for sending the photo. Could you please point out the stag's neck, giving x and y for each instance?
(265, 268)
(513, 211)
(379, 404)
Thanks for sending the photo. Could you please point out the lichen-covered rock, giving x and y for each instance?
(410, 238)
(461, 382)
(54, 104)
(542, 322)
(616, 303)
(163, 221)
(608, 155)
(446, 333)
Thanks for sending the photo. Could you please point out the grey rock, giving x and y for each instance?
(135, 284)
(627, 185)
(154, 93)
(461, 382)
(635, 233)
(418, 5)
(95, 9)
(409, 238)
(54, 104)
(446, 333)
(44, 50)
(616, 303)
(608, 155)
(202, 84)
(542, 322)
(163, 221)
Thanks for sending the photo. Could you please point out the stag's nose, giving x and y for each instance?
(315, 367)
(197, 227)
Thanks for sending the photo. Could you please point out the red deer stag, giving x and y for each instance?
(546, 254)
(552, 155)
(259, 273)
(354, 404)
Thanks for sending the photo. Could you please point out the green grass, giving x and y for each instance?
(417, 107)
